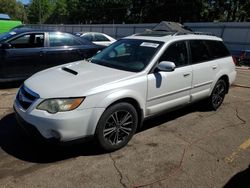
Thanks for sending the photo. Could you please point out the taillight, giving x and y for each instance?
(235, 60)
(242, 55)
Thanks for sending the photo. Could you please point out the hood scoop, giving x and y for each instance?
(69, 70)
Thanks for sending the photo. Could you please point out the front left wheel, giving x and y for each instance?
(116, 126)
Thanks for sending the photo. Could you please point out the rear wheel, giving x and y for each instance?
(218, 95)
(116, 126)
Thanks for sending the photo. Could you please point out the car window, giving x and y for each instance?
(177, 53)
(127, 54)
(62, 39)
(217, 49)
(28, 41)
(100, 37)
(6, 36)
(199, 51)
(88, 37)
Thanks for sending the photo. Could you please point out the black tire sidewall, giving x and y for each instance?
(101, 123)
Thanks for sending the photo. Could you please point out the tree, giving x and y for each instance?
(226, 10)
(59, 13)
(14, 9)
(136, 11)
(40, 10)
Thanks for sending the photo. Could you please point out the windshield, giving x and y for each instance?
(5, 36)
(128, 54)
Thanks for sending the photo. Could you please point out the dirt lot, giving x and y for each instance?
(190, 147)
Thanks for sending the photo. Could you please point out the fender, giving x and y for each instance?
(123, 94)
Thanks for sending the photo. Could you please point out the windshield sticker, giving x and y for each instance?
(149, 44)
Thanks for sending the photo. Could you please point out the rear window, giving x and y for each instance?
(207, 50)
(100, 37)
(199, 51)
(57, 39)
(217, 49)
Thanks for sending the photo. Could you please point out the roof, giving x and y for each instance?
(26, 29)
(87, 32)
(4, 17)
(174, 36)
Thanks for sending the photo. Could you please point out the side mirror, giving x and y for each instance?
(166, 66)
(5, 45)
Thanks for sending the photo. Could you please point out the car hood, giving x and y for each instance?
(75, 79)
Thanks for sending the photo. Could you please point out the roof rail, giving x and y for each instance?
(180, 33)
(194, 33)
(203, 33)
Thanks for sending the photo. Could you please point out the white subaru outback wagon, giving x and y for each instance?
(136, 77)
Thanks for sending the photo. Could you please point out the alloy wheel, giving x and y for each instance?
(118, 127)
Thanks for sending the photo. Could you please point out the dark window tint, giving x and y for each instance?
(62, 39)
(100, 37)
(28, 41)
(199, 51)
(176, 53)
(88, 37)
(217, 49)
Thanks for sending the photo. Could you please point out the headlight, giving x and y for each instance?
(60, 105)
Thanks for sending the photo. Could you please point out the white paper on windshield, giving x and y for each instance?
(149, 44)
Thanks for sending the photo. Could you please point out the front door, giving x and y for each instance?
(25, 56)
(167, 90)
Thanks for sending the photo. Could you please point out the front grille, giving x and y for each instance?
(26, 97)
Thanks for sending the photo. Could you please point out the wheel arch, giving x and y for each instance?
(135, 104)
(226, 79)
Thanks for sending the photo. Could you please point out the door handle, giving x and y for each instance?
(214, 67)
(187, 74)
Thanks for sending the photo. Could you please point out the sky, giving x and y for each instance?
(25, 1)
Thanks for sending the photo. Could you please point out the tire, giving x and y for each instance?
(218, 94)
(116, 126)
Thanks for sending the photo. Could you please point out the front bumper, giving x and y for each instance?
(62, 126)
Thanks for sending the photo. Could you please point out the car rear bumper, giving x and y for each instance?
(232, 77)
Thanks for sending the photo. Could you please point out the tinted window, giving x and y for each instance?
(100, 37)
(217, 49)
(28, 41)
(199, 51)
(62, 39)
(176, 53)
(88, 37)
(6, 36)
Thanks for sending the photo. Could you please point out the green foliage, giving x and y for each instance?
(59, 13)
(40, 10)
(14, 9)
(136, 11)
(226, 10)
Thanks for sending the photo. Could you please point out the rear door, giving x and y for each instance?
(25, 56)
(62, 48)
(205, 68)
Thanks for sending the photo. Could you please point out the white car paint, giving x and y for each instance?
(102, 86)
(109, 40)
